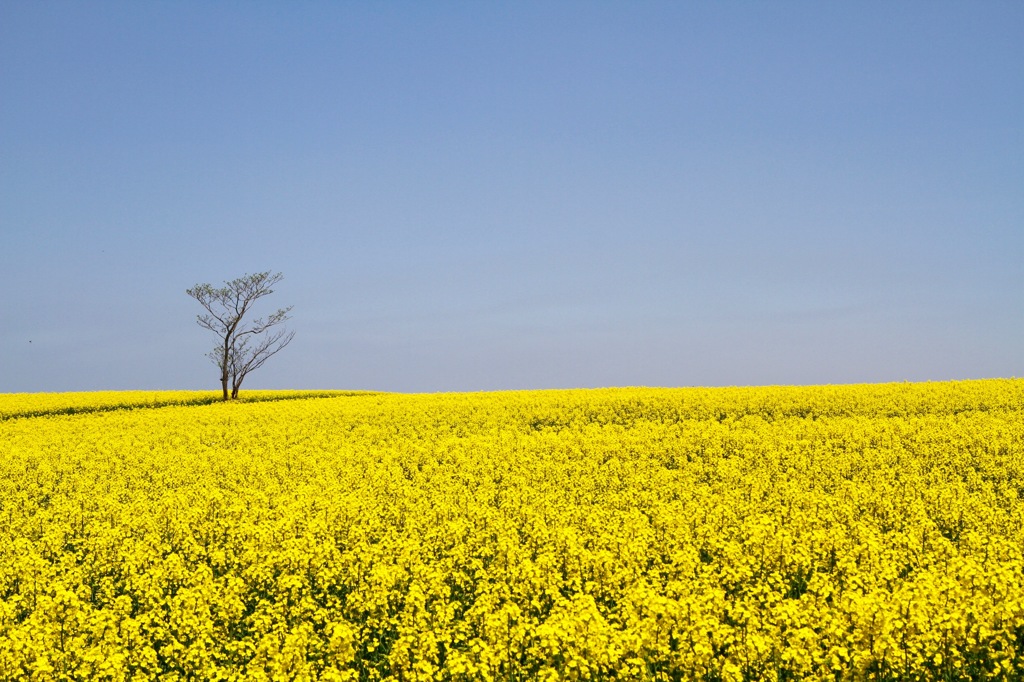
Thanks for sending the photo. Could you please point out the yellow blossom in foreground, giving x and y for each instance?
(868, 532)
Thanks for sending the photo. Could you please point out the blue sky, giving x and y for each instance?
(470, 196)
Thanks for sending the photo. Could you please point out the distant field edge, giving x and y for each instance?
(26, 405)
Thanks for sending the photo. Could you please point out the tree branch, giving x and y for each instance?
(241, 347)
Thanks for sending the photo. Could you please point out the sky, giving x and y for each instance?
(469, 196)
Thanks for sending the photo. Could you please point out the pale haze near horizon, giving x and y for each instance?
(476, 196)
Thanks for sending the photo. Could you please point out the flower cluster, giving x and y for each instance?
(868, 532)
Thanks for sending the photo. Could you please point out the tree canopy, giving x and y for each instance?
(241, 346)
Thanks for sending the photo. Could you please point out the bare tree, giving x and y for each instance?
(241, 347)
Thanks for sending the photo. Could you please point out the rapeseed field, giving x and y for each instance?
(869, 532)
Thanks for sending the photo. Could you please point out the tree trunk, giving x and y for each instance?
(224, 385)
